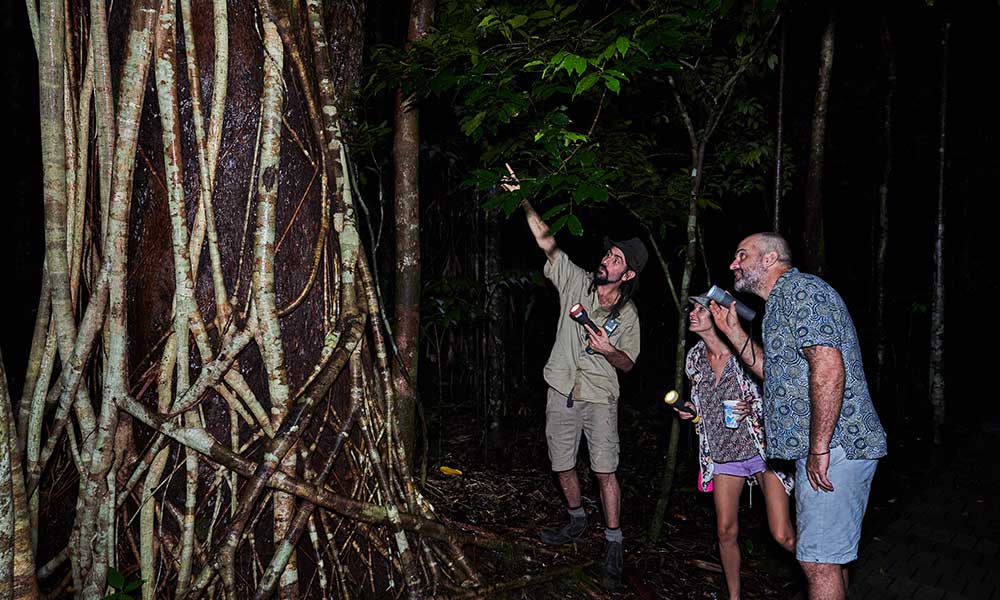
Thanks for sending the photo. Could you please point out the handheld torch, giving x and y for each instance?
(579, 314)
(672, 397)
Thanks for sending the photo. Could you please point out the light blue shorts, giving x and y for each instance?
(829, 523)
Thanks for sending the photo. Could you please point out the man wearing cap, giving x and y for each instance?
(581, 374)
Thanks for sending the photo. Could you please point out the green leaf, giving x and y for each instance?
(469, 127)
(587, 190)
(574, 225)
(486, 21)
(533, 63)
(539, 135)
(567, 11)
(132, 585)
(704, 202)
(586, 83)
(518, 21)
(115, 579)
(559, 224)
(612, 84)
(555, 210)
(556, 61)
(572, 62)
(622, 44)
(557, 58)
(541, 14)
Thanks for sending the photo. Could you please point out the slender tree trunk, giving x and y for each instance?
(17, 560)
(937, 387)
(495, 327)
(690, 255)
(406, 155)
(814, 245)
(779, 150)
(698, 143)
(690, 258)
(882, 244)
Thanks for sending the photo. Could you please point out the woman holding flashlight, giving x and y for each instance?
(731, 440)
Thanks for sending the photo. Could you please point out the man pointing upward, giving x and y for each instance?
(581, 375)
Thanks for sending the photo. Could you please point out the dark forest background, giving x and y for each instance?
(454, 352)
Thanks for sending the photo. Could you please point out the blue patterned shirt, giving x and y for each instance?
(802, 310)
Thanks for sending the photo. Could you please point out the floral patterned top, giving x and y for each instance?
(728, 445)
(749, 391)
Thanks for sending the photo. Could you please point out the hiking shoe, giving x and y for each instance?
(570, 533)
(611, 568)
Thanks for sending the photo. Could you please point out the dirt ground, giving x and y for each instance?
(506, 488)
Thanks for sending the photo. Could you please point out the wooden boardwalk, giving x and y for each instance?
(943, 543)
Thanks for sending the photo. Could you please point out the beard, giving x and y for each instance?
(750, 279)
(601, 276)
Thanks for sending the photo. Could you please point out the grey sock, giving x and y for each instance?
(613, 535)
(577, 513)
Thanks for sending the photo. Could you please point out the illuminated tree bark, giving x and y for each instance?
(406, 156)
(259, 376)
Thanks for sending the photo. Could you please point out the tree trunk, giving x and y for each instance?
(690, 256)
(936, 388)
(882, 243)
(246, 372)
(697, 147)
(406, 157)
(17, 561)
(813, 242)
(698, 144)
(495, 326)
(779, 150)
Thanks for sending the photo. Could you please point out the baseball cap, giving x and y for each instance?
(634, 251)
(702, 300)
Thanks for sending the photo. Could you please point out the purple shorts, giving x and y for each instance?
(741, 468)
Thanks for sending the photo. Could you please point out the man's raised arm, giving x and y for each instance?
(750, 352)
(538, 227)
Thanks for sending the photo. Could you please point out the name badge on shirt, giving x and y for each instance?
(610, 325)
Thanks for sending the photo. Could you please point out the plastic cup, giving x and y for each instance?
(729, 406)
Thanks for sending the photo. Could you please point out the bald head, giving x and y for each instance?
(767, 242)
(760, 259)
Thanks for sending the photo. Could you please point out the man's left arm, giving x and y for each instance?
(826, 395)
(617, 357)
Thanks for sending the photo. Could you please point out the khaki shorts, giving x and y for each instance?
(563, 427)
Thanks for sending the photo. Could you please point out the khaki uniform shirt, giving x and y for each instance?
(590, 376)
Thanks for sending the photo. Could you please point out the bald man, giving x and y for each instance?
(817, 408)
